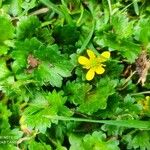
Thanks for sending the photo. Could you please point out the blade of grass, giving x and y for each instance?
(87, 40)
(109, 5)
(136, 7)
(66, 12)
(62, 11)
(81, 15)
(144, 125)
(134, 1)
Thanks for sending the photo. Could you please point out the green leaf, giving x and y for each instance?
(8, 146)
(6, 29)
(27, 5)
(45, 35)
(138, 140)
(68, 34)
(93, 142)
(3, 69)
(56, 66)
(45, 104)
(45, 75)
(7, 33)
(89, 100)
(52, 67)
(27, 27)
(72, 90)
(21, 52)
(97, 99)
(126, 47)
(4, 114)
(3, 49)
(15, 7)
(75, 142)
(121, 25)
(130, 107)
(142, 31)
(8, 137)
(97, 141)
(113, 130)
(42, 146)
(114, 69)
(112, 107)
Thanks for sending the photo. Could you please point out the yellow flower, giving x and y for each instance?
(146, 103)
(93, 63)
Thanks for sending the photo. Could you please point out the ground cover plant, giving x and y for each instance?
(74, 74)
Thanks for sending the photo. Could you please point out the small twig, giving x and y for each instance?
(140, 93)
(126, 81)
(22, 140)
(37, 12)
(40, 11)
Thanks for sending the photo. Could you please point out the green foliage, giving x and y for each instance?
(95, 141)
(15, 7)
(126, 47)
(33, 145)
(8, 137)
(114, 69)
(90, 101)
(46, 101)
(4, 113)
(6, 29)
(42, 105)
(73, 89)
(3, 69)
(52, 66)
(27, 5)
(7, 33)
(138, 139)
(27, 27)
(68, 34)
(97, 99)
(121, 26)
(142, 31)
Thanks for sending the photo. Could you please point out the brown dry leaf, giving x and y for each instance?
(32, 62)
(142, 67)
(127, 71)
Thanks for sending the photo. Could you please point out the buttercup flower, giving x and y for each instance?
(145, 103)
(93, 63)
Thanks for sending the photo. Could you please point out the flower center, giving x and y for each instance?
(94, 63)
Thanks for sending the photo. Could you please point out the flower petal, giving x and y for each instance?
(83, 60)
(99, 70)
(91, 54)
(104, 56)
(90, 74)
